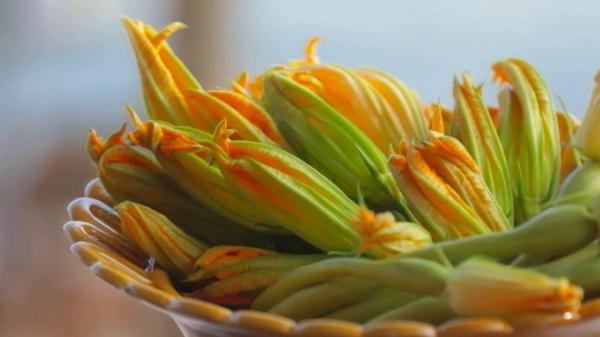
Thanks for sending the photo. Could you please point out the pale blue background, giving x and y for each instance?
(66, 65)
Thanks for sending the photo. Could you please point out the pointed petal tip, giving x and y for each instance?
(166, 32)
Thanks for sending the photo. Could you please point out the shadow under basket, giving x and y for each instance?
(96, 240)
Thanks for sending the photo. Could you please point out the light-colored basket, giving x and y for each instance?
(96, 240)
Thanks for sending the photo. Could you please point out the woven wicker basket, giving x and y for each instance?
(97, 242)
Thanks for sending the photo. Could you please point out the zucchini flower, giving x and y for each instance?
(173, 95)
(586, 138)
(329, 142)
(158, 237)
(483, 287)
(445, 189)
(163, 76)
(401, 106)
(95, 146)
(182, 156)
(293, 194)
(131, 173)
(383, 236)
(248, 118)
(529, 134)
(570, 159)
(382, 107)
(472, 125)
(287, 191)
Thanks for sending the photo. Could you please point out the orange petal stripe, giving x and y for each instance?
(250, 111)
(222, 255)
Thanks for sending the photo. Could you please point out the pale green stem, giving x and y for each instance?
(413, 275)
(373, 306)
(317, 300)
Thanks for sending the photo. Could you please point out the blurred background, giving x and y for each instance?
(66, 66)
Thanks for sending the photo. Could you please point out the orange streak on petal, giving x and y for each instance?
(95, 141)
(498, 75)
(432, 193)
(449, 150)
(260, 191)
(235, 300)
(236, 151)
(173, 141)
(494, 112)
(437, 121)
(117, 137)
(250, 111)
(221, 255)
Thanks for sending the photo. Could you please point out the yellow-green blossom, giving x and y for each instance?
(529, 134)
(445, 189)
(483, 287)
(158, 237)
(172, 94)
(587, 138)
(472, 125)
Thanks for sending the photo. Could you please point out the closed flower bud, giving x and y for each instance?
(287, 191)
(483, 287)
(383, 236)
(95, 145)
(529, 134)
(329, 142)
(382, 107)
(402, 112)
(186, 161)
(158, 237)
(131, 173)
(472, 125)
(587, 138)
(164, 77)
(445, 189)
(173, 95)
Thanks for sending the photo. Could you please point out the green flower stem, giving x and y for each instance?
(432, 310)
(378, 303)
(413, 275)
(581, 267)
(587, 276)
(317, 300)
(582, 186)
(555, 232)
(529, 260)
(561, 266)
